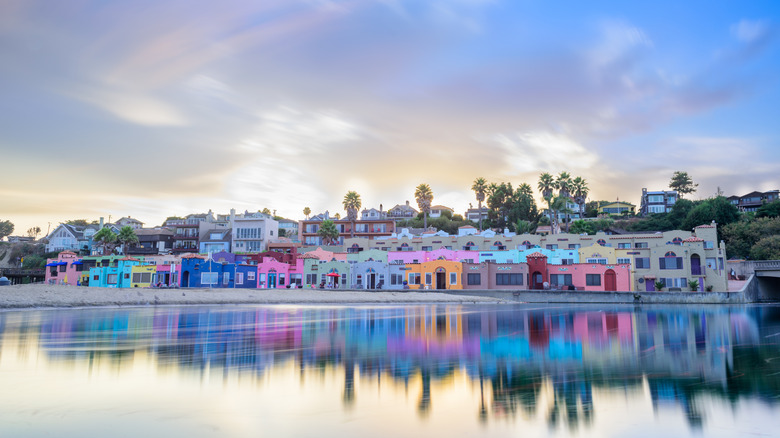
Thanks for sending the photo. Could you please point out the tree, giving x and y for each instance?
(34, 232)
(559, 205)
(767, 248)
(106, 239)
(126, 236)
(717, 209)
(424, 197)
(547, 185)
(524, 227)
(352, 205)
(769, 210)
(682, 183)
(266, 211)
(80, 222)
(337, 216)
(6, 228)
(306, 212)
(579, 190)
(479, 187)
(742, 236)
(328, 232)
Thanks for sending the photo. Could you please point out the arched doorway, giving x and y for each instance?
(537, 281)
(185, 279)
(441, 278)
(272, 279)
(695, 264)
(610, 281)
(370, 278)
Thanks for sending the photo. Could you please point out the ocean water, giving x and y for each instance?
(388, 371)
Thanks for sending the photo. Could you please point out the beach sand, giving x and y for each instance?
(44, 295)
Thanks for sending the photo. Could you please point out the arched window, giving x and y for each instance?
(601, 242)
(527, 243)
(677, 241)
(670, 254)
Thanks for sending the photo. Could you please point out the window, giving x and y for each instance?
(142, 277)
(254, 245)
(428, 278)
(670, 261)
(110, 279)
(641, 245)
(414, 278)
(602, 242)
(239, 278)
(552, 246)
(311, 278)
(281, 279)
(209, 277)
(600, 261)
(396, 278)
(126, 276)
(250, 276)
(474, 279)
(593, 279)
(509, 279)
(226, 279)
(624, 245)
(708, 244)
(427, 248)
(453, 278)
(675, 282)
(567, 261)
(624, 260)
(560, 279)
(574, 246)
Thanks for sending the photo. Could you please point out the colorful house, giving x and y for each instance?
(497, 276)
(115, 273)
(273, 274)
(246, 276)
(435, 274)
(143, 275)
(332, 273)
(65, 269)
(580, 276)
(373, 274)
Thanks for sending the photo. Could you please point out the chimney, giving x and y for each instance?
(101, 222)
(407, 203)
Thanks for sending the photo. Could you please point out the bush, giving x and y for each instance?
(659, 285)
(693, 285)
(767, 248)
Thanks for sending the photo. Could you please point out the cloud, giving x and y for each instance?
(748, 31)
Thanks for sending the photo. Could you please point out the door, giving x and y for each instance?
(371, 281)
(537, 281)
(610, 281)
(695, 265)
(271, 281)
(185, 279)
(441, 280)
(649, 286)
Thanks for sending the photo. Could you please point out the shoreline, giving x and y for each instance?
(29, 296)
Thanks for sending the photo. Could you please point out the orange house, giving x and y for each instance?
(435, 274)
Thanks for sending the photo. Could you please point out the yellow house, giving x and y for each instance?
(597, 253)
(617, 208)
(435, 274)
(142, 275)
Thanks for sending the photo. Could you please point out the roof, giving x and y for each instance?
(191, 255)
(153, 231)
(467, 226)
(441, 207)
(535, 255)
(693, 239)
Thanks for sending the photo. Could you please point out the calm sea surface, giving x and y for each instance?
(386, 371)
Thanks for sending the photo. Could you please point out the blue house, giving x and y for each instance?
(117, 274)
(196, 271)
(246, 276)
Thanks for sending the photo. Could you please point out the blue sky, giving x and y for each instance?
(152, 109)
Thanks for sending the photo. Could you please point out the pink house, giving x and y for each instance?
(579, 276)
(65, 269)
(273, 274)
(406, 257)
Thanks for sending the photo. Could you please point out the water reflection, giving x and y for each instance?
(523, 362)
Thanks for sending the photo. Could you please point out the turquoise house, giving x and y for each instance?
(117, 274)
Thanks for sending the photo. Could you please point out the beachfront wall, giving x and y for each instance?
(142, 275)
(273, 274)
(435, 274)
(67, 268)
(497, 276)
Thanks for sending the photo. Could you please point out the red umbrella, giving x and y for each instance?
(333, 274)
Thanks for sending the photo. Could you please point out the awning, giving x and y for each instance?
(333, 274)
(62, 263)
(77, 262)
(52, 264)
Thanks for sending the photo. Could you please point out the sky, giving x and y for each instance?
(153, 108)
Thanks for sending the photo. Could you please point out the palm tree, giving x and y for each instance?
(480, 187)
(424, 197)
(564, 191)
(306, 212)
(579, 189)
(106, 238)
(352, 205)
(126, 235)
(547, 185)
(328, 232)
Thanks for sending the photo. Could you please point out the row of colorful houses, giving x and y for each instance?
(595, 267)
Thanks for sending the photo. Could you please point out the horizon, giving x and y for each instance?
(155, 109)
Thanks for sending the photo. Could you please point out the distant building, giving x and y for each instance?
(129, 222)
(617, 208)
(753, 200)
(438, 210)
(402, 212)
(290, 228)
(373, 214)
(473, 214)
(215, 240)
(71, 238)
(657, 202)
(151, 241)
(370, 229)
(252, 231)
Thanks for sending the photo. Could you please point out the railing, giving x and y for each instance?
(767, 264)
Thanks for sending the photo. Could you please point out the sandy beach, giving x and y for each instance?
(42, 295)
